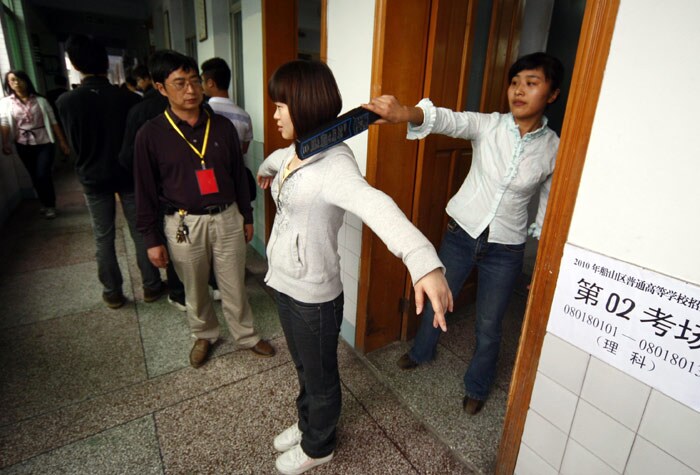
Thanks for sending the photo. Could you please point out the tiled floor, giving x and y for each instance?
(85, 389)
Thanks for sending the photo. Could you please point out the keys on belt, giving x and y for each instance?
(183, 231)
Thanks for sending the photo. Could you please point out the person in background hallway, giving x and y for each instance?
(28, 120)
(513, 160)
(129, 84)
(94, 115)
(188, 161)
(142, 76)
(153, 104)
(216, 77)
(312, 197)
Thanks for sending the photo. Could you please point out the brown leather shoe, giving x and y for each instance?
(405, 362)
(199, 353)
(471, 406)
(263, 348)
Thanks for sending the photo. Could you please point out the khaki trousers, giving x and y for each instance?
(217, 240)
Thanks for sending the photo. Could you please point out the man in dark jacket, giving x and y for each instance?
(153, 104)
(93, 116)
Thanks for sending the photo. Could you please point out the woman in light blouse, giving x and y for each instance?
(514, 155)
(27, 119)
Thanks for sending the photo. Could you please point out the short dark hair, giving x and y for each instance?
(551, 66)
(87, 54)
(140, 72)
(309, 90)
(19, 75)
(217, 70)
(162, 63)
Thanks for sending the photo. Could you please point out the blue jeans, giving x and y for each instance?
(311, 331)
(38, 160)
(103, 209)
(499, 266)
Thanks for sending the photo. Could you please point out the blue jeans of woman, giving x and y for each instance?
(38, 160)
(103, 210)
(311, 331)
(499, 266)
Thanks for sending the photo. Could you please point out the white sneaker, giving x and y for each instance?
(290, 437)
(294, 461)
(177, 304)
(216, 295)
(50, 213)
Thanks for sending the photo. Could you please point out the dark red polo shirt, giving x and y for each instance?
(165, 170)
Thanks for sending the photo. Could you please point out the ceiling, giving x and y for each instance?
(129, 9)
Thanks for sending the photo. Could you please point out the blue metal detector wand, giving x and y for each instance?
(338, 130)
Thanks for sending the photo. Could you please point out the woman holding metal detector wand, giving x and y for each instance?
(304, 267)
(513, 160)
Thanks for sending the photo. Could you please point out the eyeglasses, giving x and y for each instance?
(180, 84)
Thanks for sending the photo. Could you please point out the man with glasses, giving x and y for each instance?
(188, 161)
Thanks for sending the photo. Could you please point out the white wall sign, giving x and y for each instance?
(643, 323)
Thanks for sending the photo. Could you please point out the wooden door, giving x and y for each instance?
(400, 46)
(424, 49)
(279, 47)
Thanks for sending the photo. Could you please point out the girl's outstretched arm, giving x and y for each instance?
(392, 111)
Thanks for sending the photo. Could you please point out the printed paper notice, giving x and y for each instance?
(641, 322)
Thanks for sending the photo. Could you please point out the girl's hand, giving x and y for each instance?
(65, 148)
(391, 111)
(434, 286)
(7, 149)
(264, 182)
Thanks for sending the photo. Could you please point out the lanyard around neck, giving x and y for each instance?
(206, 137)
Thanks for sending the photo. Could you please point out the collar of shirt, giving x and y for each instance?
(513, 127)
(201, 120)
(221, 100)
(94, 81)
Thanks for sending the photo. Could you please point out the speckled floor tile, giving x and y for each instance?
(167, 340)
(418, 443)
(434, 392)
(165, 336)
(55, 249)
(26, 219)
(129, 448)
(85, 389)
(55, 363)
(229, 430)
(72, 423)
(49, 293)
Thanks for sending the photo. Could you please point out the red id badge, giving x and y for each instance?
(207, 181)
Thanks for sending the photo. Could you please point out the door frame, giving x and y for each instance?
(591, 58)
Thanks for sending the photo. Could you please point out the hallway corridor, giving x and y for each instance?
(89, 390)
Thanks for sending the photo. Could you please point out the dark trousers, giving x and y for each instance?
(312, 333)
(38, 160)
(499, 267)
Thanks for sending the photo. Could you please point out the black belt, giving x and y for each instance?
(213, 209)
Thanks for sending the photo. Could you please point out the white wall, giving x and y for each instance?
(637, 202)
(350, 38)
(218, 42)
(644, 148)
(254, 83)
